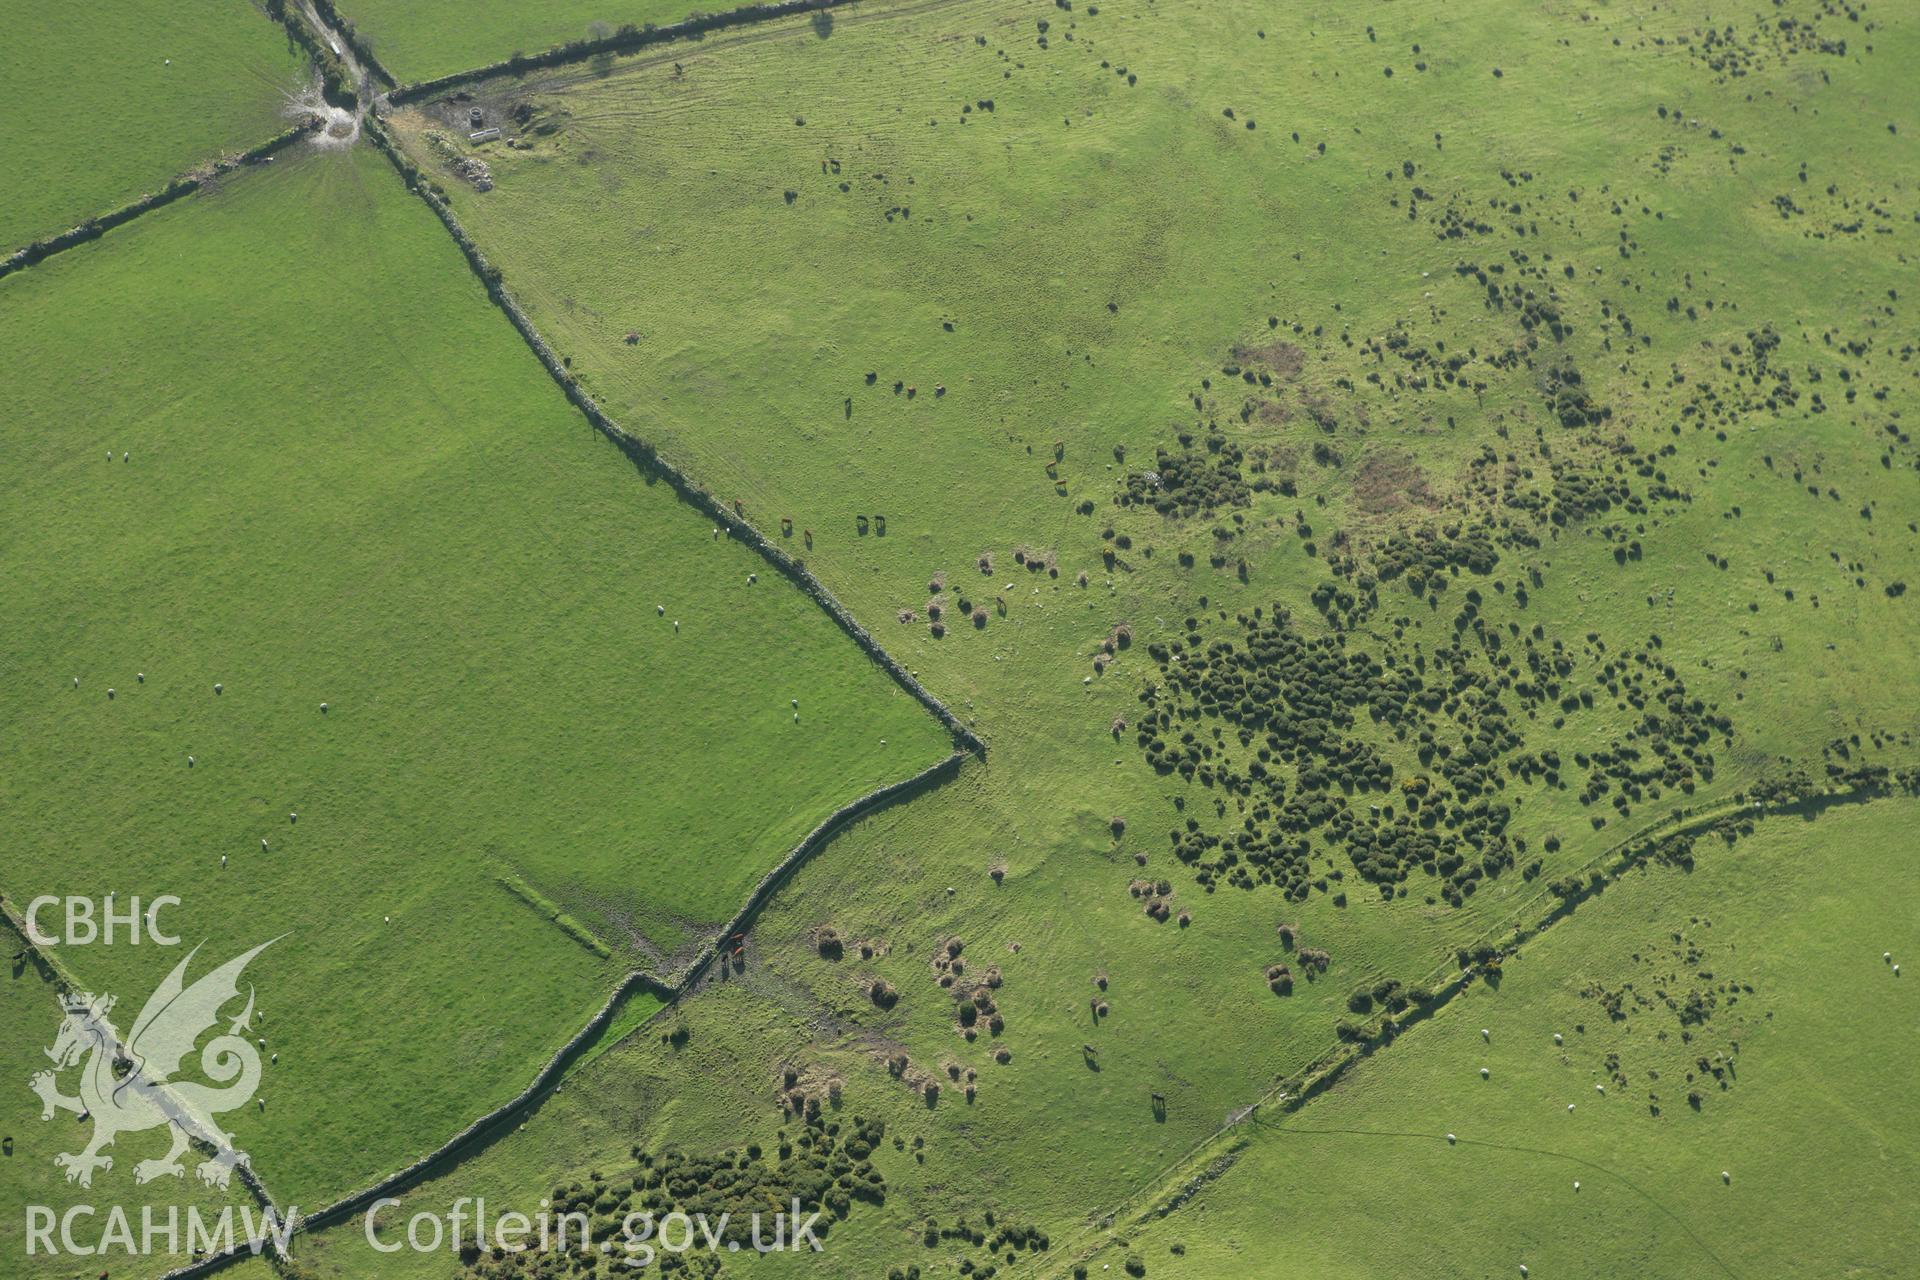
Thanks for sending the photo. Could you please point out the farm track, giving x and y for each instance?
(1294, 1092)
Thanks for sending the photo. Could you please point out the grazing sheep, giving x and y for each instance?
(1725, 1176)
(1486, 1035)
(140, 676)
(223, 859)
(109, 694)
(1451, 1139)
(263, 844)
(189, 762)
(218, 688)
(1576, 1184)
(323, 708)
(1484, 1073)
(661, 609)
(1569, 1106)
(1556, 1037)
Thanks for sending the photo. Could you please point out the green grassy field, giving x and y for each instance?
(1361, 473)
(1362, 1182)
(1071, 255)
(316, 536)
(1783, 932)
(105, 106)
(420, 41)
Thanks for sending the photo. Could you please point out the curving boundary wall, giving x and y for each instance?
(648, 458)
(184, 185)
(450, 1153)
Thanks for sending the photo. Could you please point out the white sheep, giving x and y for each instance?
(1484, 1073)
(1451, 1139)
(1486, 1034)
(1556, 1037)
(263, 844)
(662, 609)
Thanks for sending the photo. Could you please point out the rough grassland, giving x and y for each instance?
(345, 482)
(1821, 1146)
(422, 39)
(773, 221)
(1362, 1182)
(104, 104)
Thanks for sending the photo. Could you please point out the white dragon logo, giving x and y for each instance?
(128, 1086)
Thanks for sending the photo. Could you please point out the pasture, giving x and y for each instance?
(1754, 985)
(416, 41)
(345, 627)
(104, 107)
(976, 295)
(1420, 505)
